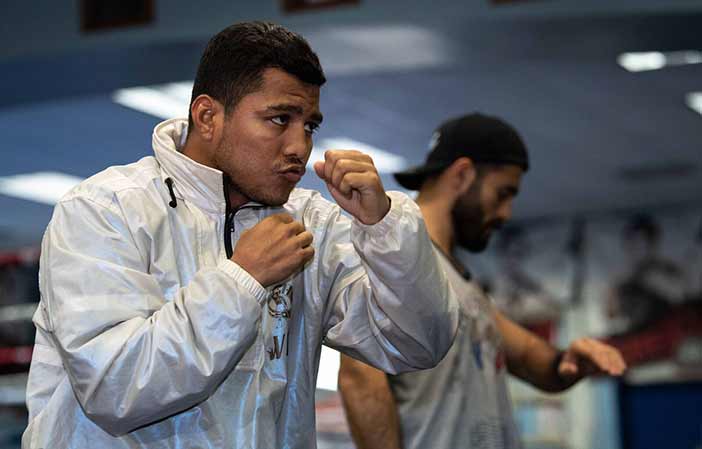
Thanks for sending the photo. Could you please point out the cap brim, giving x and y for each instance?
(413, 178)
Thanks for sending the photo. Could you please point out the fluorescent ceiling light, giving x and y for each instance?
(328, 369)
(655, 60)
(164, 101)
(42, 187)
(694, 101)
(384, 161)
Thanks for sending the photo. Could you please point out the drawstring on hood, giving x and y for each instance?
(173, 203)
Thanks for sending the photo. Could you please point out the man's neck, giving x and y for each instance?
(438, 219)
(236, 199)
(439, 223)
(196, 150)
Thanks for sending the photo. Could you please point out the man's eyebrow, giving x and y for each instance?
(293, 109)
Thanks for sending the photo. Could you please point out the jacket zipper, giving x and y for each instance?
(229, 219)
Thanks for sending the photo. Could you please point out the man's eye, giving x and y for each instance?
(281, 120)
(311, 127)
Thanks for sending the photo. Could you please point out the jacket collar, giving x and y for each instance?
(192, 181)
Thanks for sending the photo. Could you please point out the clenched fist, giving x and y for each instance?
(274, 249)
(354, 184)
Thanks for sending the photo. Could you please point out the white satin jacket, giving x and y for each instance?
(148, 336)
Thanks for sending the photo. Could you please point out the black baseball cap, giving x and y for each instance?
(481, 138)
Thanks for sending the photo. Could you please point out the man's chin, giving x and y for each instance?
(274, 200)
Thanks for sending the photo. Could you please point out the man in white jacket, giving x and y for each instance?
(185, 297)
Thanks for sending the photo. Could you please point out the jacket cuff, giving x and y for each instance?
(389, 221)
(242, 277)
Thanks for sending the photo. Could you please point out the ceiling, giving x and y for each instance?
(392, 79)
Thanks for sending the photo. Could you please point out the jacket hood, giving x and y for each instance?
(192, 181)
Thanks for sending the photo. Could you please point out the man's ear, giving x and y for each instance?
(460, 175)
(208, 117)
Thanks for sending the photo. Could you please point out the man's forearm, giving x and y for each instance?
(126, 389)
(369, 405)
(531, 358)
(540, 368)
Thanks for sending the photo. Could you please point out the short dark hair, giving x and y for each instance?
(233, 63)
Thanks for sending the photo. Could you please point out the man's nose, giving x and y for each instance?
(505, 211)
(298, 143)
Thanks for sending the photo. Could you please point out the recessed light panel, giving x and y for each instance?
(42, 187)
(655, 60)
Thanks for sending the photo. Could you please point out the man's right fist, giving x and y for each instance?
(274, 249)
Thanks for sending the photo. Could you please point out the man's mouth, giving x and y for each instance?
(293, 173)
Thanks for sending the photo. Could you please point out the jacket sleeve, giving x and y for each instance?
(389, 302)
(132, 355)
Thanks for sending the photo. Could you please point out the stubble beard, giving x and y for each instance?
(468, 222)
(469, 230)
(236, 174)
(258, 196)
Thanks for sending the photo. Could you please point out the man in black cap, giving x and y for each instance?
(466, 189)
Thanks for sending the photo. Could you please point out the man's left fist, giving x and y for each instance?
(354, 184)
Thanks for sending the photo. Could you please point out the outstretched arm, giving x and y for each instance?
(534, 360)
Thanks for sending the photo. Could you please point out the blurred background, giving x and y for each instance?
(607, 234)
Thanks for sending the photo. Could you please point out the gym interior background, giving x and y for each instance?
(607, 234)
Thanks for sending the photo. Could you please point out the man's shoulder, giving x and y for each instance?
(108, 186)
